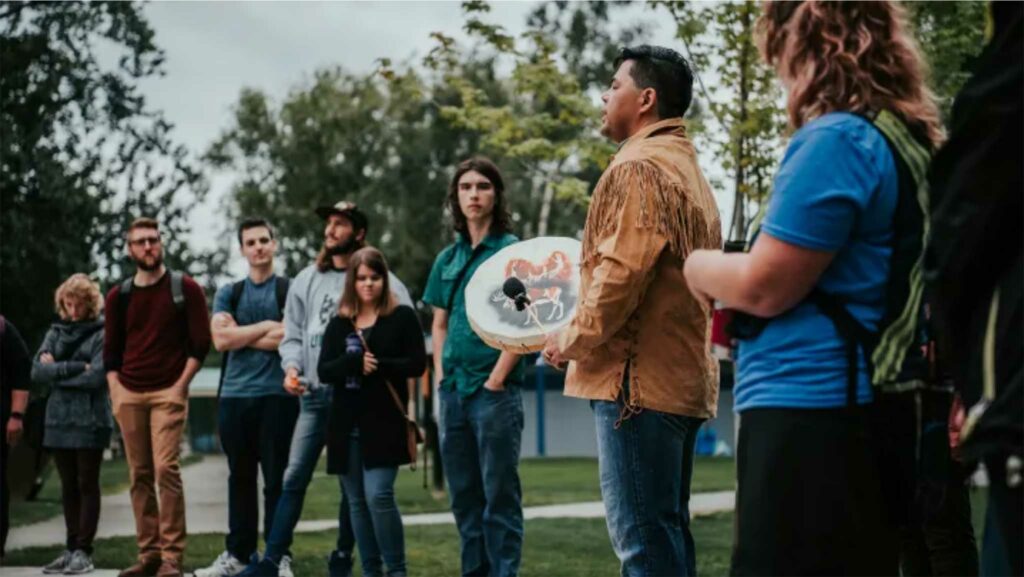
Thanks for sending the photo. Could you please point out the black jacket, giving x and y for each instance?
(397, 342)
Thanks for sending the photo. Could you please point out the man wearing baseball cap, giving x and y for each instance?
(312, 302)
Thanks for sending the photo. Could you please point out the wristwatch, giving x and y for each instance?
(17, 415)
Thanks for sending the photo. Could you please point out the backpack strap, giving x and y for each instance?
(177, 292)
(854, 335)
(281, 290)
(236, 296)
(462, 274)
(911, 230)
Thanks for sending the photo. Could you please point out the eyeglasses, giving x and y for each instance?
(153, 240)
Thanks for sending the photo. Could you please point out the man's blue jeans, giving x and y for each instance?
(307, 444)
(480, 440)
(375, 517)
(645, 465)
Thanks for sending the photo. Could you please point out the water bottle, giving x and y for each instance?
(353, 346)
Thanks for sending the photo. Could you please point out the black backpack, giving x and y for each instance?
(280, 290)
(898, 353)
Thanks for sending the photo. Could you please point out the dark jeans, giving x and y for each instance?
(79, 471)
(936, 535)
(480, 441)
(5, 491)
(307, 444)
(809, 498)
(645, 463)
(1004, 524)
(256, 433)
(375, 517)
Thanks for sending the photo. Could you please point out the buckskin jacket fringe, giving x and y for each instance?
(651, 208)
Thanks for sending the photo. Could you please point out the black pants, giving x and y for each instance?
(1004, 525)
(5, 492)
(79, 471)
(809, 499)
(255, 433)
(936, 535)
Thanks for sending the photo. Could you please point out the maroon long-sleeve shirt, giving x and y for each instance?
(151, 346)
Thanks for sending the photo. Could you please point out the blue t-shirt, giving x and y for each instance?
(836, 190)
(252, 372)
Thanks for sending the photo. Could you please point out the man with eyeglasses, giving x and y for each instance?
(156, 336)
(312, 302)
(256, 416)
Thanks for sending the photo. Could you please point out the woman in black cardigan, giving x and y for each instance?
(369, 351)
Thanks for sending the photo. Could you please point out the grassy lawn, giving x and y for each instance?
(559, 547)
(113, 479)
(545, 482)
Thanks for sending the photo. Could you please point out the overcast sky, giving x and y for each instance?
(215, 48)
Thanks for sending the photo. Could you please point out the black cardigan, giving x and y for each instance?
(397, 342)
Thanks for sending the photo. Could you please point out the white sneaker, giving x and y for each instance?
(58, 565)
(284, 568)
(225, 566)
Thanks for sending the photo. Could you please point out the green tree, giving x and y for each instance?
(951, 35)
(81, 153)
(379, 143)
(745, 105)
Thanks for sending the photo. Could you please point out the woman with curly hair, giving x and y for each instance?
(78, 418)
(810, 493)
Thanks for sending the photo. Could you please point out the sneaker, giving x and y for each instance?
(57, 565)
(227, 565)
(339, 564)
(264, 567)
(79, 564)
(284, 568)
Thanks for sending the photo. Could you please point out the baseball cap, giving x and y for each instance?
(347, 209)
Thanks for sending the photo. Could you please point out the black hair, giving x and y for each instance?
(253, 222)
(664, 70)
(502, 221)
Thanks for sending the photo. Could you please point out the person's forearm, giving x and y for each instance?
(269, 341)
(19, 401)
(192, 367)
(437, 352)
(726, 278)
(239, 337)
(506, 363)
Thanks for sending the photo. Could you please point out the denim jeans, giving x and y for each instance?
(480, 440)
(375, 517)
(645, 466)
(255, 433)
(307, 444)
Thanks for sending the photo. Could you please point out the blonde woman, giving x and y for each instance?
(78, 418)
(810, 498)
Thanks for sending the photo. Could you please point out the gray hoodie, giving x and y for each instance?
(312, 302)
(78, 411)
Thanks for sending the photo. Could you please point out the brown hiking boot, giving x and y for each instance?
(169, 568)
(143, 568)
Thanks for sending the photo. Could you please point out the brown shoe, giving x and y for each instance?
(169, 568)
(143, 568)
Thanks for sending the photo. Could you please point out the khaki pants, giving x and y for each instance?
(151, 425)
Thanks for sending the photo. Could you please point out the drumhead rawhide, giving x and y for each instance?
(549, 268)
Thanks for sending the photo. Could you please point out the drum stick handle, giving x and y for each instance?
(536, 321)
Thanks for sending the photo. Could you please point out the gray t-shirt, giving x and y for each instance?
(252, 372)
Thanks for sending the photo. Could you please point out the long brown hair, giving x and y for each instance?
(853, 56)
(374, 260)
(501, 219)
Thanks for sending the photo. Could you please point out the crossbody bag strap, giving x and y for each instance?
(391, 389)
(462, 274)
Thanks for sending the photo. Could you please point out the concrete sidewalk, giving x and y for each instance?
(207, 512)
